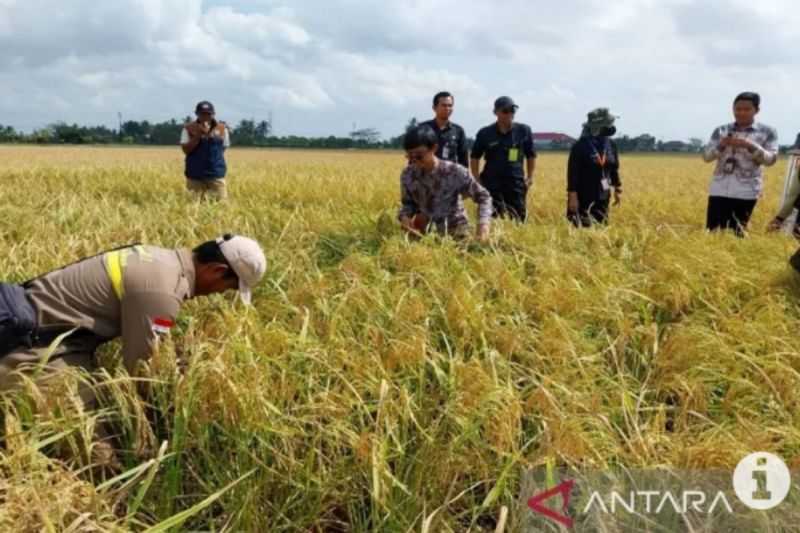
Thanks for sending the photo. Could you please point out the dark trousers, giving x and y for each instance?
(795, 261)
(590, 213)
(729, 213)
(510, 201)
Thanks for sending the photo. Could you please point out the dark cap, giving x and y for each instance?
(204, 107)
(504, 102)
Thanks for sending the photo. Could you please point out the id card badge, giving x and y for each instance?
(446, 152)
(513, 154)
(606, 183)
(729, 166)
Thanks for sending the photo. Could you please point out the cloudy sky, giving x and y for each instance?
(668, 67)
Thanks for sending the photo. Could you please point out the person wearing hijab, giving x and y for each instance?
(593, 171)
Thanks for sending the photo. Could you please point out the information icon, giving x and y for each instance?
(762, 480)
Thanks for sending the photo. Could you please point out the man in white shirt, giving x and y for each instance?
(741, 150)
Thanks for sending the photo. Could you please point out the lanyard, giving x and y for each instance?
(602, 160)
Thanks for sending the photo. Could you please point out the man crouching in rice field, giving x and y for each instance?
(133, 292)
(204, 142)
(432, 191)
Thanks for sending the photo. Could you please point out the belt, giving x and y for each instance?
(45, 338)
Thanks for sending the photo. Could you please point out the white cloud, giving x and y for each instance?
(303, 92)
(254, 31)
(669, 67)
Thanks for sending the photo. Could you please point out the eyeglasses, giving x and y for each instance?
(415, 156)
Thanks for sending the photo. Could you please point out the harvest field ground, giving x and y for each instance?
(384, 385)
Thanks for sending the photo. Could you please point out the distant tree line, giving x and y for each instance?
(249, 132)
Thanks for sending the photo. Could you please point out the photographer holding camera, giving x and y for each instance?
(204, 142)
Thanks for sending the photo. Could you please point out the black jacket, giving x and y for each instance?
(585, 172)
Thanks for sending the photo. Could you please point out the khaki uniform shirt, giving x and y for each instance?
(151, 285)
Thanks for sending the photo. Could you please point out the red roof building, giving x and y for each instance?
(546, 138)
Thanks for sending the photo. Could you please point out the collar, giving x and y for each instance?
(751, 127)
(421, 175)
(497, 128)
(447, 126)
(597, 143)
(187, 267)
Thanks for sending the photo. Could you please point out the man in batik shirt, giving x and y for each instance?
(432, 190)
(740, 149)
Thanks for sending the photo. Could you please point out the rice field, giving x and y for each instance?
(383, 385)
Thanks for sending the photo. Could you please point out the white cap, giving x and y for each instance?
(246, 259)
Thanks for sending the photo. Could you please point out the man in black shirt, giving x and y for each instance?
(504, 144)
(452, 141)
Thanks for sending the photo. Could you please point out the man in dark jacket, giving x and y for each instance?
(593, 170)
(204, 142)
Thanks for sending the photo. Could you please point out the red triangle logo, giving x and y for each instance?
(564, 488)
